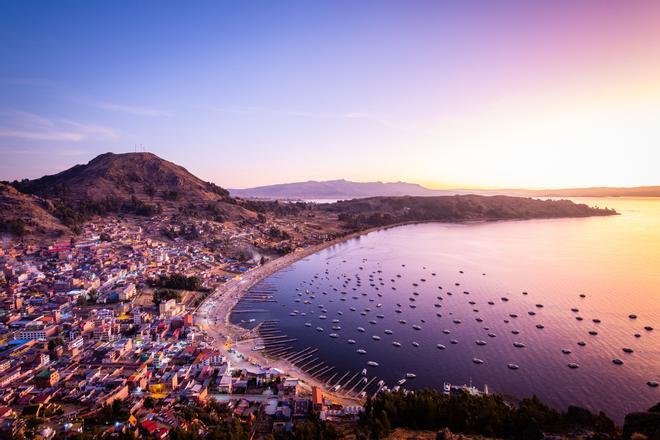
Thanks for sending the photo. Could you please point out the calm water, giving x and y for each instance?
(614, 261)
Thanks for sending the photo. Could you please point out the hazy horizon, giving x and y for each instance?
(448, 95)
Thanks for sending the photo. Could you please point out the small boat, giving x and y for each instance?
(372, 363)
(441, 347)
(416, 327)
(361, 351)
(396, 344)
(402, 321)
(540, 326)
(628, 350)
(575, 310)
(513, 315)
(361, 329)
(573, 365)
(334, 335)
(513, 366)
(319, 329)
(477, 361)
(648, 328)
(308, 324)
(492, 335)
(410, 375)
(456, 321)
(582, 295)
(504, 298)
(632, 316)
(336, 327)
(445, 331)
(579, 318)
(637, 335)
(375, 338)
(388, 332)
(566, 351)
(454, 341)
(540, 306)
(401, 381)
(519, 345)
(351, 341)
(596, 321)
(581, 343)
(480, 342)
(652, 384)
(593, 332)
(617, 361)
(531, 313)
(515, 332)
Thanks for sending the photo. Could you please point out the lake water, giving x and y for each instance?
(613, 261)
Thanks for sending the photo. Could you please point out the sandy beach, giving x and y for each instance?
(212, 316)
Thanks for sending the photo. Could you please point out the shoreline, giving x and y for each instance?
(212, 315)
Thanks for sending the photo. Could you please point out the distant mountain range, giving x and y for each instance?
(345, 189)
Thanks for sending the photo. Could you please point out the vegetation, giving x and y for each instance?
(164, 295)
(382, 211)
(489, 415)
(178, 282)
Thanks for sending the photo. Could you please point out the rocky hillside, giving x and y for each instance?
(137, 183)
(22, 214)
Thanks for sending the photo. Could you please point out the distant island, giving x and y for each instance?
(344, 189)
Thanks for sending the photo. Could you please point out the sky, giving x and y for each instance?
(465, 93)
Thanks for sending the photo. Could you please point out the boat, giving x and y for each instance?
(566, 351)
(454, 341)
(415, 344)
(617, 361)
(319, 329)
(334, 335)
(441, 347)
(364, 371)
(628, 350)
(573, 365)
(632, 316)
(581, 343)
(396, 344)
(540, 326)
(372, 363)
(416, 327)
(401, 381)
(361, 329)
(388, 332)
(375, 338)
(648, 328)
(361, 351)
(410, 375)
(259, 347)
(513, 366)
(480, 342)
(652, 384)
(519, 345)
(593, 332)
(477, 361)
(308, 324)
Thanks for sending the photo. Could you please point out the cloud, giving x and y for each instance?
(19, 124)
(133, 110)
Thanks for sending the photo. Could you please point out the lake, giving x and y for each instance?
(441, 278)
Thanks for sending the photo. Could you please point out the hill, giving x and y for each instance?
(335, 189)
(345, 190)
(139, 183)
(379, 211)
(22, 214)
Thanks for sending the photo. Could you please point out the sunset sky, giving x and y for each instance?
(444, 93)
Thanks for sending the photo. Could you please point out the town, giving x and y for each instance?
(98, 335)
